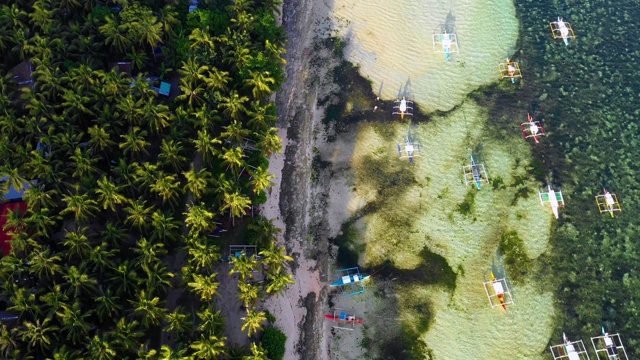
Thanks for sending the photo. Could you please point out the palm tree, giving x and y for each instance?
(101, 257)
(233, 158)
(233, 105)
(165, 228)
(148, 308)
(243, 265)
(147, 174)
(198, 218)
(80, 205)
(200, 38)
(134, 141)
(22, 300)
(8, 343)
(171, 154)
(259, 82)
(64, 353)
(137, 57)
(209, 347)
(157, 116)
(204, 285)
(202, 255)
(54, 300)
(235, 133)
(279, 282)
(236, 203)
(248, 293)
(127, 334)
(257, 353)
(138, 213)
(100, 349)
(167, 353)
(13, 178)
(125, 279)
(43, 264)
(83, 163)
(217, 80)
(108, 306)
(100, 138)
(205, 144)
(167, 17)
(109, 194)
(192, 91)
(79, 281)
(149, 253)
(158, 277)
(168, 188)
(115, 34)
(38, 334)
(211, 321)
(39, 198)
(113, 234)
(269, 142)
(261, 180)
(274, 257)
(192, 70)
(197, 181)
(74, 323)
(253, 321)
(264, 233)
(261, 117)
(179, 321)
(129, 107)
(77, 243)
(149, 30)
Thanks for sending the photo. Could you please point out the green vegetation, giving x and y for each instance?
(114, 257)
(516, 261)
(273, 341)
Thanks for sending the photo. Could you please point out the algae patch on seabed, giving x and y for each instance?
(426, 205)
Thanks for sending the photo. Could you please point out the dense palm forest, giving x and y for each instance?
(124, 186)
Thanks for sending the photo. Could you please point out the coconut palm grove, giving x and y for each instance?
(132, 133)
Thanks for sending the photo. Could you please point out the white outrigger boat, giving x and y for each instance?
(510, 70)
(571, 350)
(552, 199)
(402, 107)
(532, 129)
(409, 150)
(609, 346)
(562, 30)
(446, 44)
(608, 202)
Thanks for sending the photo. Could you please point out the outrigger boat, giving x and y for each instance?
(350, 281)
(445, 43)
(409, 150)
(510, 69)
(608, 202)
(475, 173)
(562, 30)
(553, 199)
(610, 346)
(343, 317)
(403, 107)
(532, 129)
(572, 350)
(498, 292)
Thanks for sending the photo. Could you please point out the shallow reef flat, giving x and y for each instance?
(392, 42)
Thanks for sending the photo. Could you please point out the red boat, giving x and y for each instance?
(343, 317)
